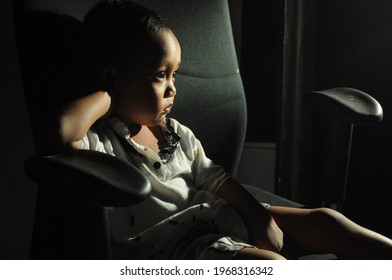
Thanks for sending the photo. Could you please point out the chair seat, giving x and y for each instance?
(270, 198)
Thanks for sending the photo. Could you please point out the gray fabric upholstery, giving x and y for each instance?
(211, 98)
(217, 115)
(270, 198)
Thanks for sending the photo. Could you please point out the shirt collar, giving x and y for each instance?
(172, 137)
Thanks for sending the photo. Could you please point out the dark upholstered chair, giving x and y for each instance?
(76, 187)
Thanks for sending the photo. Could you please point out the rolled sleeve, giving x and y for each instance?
(209, 175)
(96, 141)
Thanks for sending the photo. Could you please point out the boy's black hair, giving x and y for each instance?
(113, 27)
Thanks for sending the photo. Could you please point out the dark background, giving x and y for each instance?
(351, 43)
(354, 43)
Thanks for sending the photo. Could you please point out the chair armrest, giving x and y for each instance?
(91, 176)
(346, 104)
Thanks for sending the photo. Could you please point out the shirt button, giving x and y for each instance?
(157, 165)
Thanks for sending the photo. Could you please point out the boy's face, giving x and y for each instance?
(144, 87)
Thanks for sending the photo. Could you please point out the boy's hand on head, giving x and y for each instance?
(78, 116)
(110, 100)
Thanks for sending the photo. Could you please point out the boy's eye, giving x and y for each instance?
(160, 75)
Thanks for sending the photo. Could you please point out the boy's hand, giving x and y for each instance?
(267, 235)
(77, 118)
(263, 231)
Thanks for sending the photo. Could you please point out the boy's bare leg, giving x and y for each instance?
(324, 230)
(257, 254)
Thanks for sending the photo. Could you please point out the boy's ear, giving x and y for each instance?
(109, 75)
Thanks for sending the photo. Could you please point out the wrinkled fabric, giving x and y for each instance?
(183, 218)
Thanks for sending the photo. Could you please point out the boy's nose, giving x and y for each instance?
(171, 91)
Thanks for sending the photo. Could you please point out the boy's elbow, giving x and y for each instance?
(75, 145)
(67, 128)
(54, 145)
(70, 132)
(55, 138)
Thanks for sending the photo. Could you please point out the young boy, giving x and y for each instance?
(196, 210)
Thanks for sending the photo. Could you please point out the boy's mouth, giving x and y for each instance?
(167, 109)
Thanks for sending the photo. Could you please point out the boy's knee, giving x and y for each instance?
(327, 215)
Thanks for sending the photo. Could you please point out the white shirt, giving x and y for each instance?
(188, 178)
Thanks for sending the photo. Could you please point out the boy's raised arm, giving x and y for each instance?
(76, 119)
(80, 115)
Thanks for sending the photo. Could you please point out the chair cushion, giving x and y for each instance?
(270, 198)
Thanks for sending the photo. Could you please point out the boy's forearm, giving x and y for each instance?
(80, 115)
(245, 204)
(255, 216)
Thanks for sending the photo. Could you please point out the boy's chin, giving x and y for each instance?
(160, 119)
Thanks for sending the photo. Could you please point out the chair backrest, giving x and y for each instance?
(210, 98)
(17, 193)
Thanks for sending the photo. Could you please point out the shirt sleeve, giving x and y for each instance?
(96, 141)
(206, 174)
